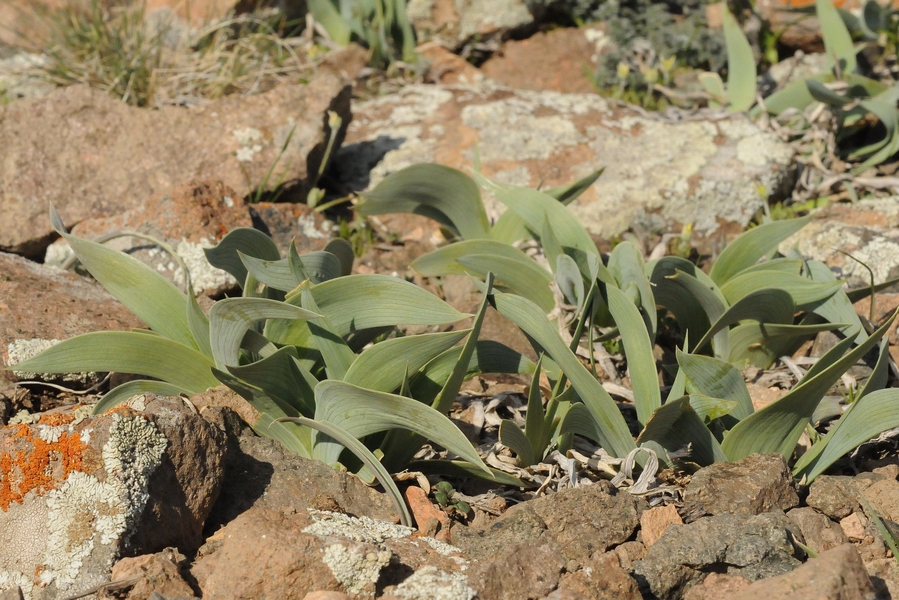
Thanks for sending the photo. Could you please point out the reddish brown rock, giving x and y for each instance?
(188, 219)
(716, 586)
(655, 521)
(560, 60)
(838, 574)
(159, 573)
(92, 155)
(446, 67)
(756, 484)
(820, 533)
(602, 578)
(39, 303)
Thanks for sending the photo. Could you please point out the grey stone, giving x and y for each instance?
(584, 520)
(866, 229)
(756, 484)
(753, 547)
(710, 169)
(837, 495)
(837, 574)
(820, 533)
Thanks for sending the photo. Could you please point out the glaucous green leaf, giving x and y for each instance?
(837, 42)
(676, 425)
(741, 71)
(777, 427)
(610, 423)
(151, 297)
(751, 246)
(127, 352)
(838, 308)
(760, 344)
(383, 366)
(715, 378)
(282, 380)
(525, 279)
(231, 318)
(627, 267)
(765, 306)
(251, 242)
(444, 194)
(335, 352)
(803, 291)
(641, 364)
(866, 418)
(514, 438)
(361, 412)
(126, 391)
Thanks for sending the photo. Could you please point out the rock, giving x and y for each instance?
(455, 22)
(838, 574)
(884, 574)
(91, 155)
(854, 527)
(709, 170)
(76, 493)
(837, 496)
(753, 547)
(40, 305)
(159, 573)
(288, 222)
(716, 587)
(188, 218)
(583, 520)
(294, 554)
(655, 521)
(447, 68)
(820, 533)
(603, 578)
(427, 516)
(865, 229)
(525, 570)
(756, 484)
(259, 472)
(559, 60)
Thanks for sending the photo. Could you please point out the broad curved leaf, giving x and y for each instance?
(143, 291)
(676, 425)
(866, 418)
(384, 366)
(127, 352)
(805, 292)
(717, 379)
(251, 242)
(641, 363)
(752, 245)
(444, 194)
(777, 427)
(361, 412)
(741, 70)
(610, 423)
(231, 318)
(129, 389)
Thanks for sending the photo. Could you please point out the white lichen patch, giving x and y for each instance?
(134, 450)
(355, 568)
(440, 546)
(306, 224)
(430, 583)
(12, 580)
(509, 130)
(86, 514)
(23, 417)
(248, 148)
(20, 350)
(361, 529)
(51, 433)
(203, 276)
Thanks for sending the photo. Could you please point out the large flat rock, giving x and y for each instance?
(707, 170)
(92, 155)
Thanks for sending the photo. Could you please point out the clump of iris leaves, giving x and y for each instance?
(314, 348)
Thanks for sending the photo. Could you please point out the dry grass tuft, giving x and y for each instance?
(154, 59)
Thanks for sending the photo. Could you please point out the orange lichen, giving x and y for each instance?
(22, 471)
(56, 419)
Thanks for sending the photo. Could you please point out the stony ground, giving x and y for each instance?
(178, 498)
